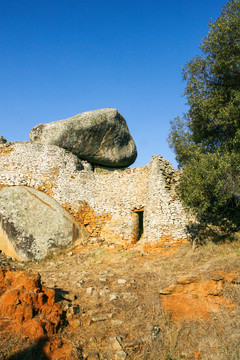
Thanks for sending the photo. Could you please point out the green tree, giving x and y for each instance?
(207, 139)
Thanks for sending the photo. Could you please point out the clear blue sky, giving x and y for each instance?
(62, 57)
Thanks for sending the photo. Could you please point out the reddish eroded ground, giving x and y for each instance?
(165, 246)
(29, 309)
(30, 306)
(196, 298)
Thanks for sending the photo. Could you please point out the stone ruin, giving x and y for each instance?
(81, 164)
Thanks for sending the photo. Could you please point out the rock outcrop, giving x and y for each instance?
(100, 137)
(32, 224)
(30, 310)
(194, 297)
(30, 306)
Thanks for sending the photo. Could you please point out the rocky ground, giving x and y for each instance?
(117, 303)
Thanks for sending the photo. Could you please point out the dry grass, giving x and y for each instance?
(146, 330)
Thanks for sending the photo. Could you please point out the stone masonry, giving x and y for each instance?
(137, 204)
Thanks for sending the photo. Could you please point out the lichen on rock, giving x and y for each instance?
(32, 224)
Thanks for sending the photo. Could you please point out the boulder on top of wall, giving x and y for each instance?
(2, 140)
(32, 224)
(100, 137)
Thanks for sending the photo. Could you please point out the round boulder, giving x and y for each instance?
(32, 224)
(100, 137)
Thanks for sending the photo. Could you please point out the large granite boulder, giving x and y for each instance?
(32, 224)
(100, 137)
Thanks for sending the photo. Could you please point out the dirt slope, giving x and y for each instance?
(116, 303)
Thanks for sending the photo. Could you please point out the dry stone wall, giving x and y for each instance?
(165, 217)
(119, 205)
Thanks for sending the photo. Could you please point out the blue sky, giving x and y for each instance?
(62, 57)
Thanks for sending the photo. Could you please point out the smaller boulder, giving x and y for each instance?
(2, 140)
(32, 224)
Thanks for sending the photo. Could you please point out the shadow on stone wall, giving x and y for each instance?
(216, 227)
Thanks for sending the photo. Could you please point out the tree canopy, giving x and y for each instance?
(206, 139)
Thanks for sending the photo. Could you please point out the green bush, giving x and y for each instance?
(206, 139)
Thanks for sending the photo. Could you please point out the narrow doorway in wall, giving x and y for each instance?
(140, 215)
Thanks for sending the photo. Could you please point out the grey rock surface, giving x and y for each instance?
(100, 137)
(32, 224)
(2, 140)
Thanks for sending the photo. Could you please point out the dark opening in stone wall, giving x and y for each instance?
(140, 222)
(140, 216)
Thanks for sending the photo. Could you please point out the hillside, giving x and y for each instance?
(103, 268)
(127, 303)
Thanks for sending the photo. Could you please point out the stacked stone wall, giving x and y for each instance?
(106, 203)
